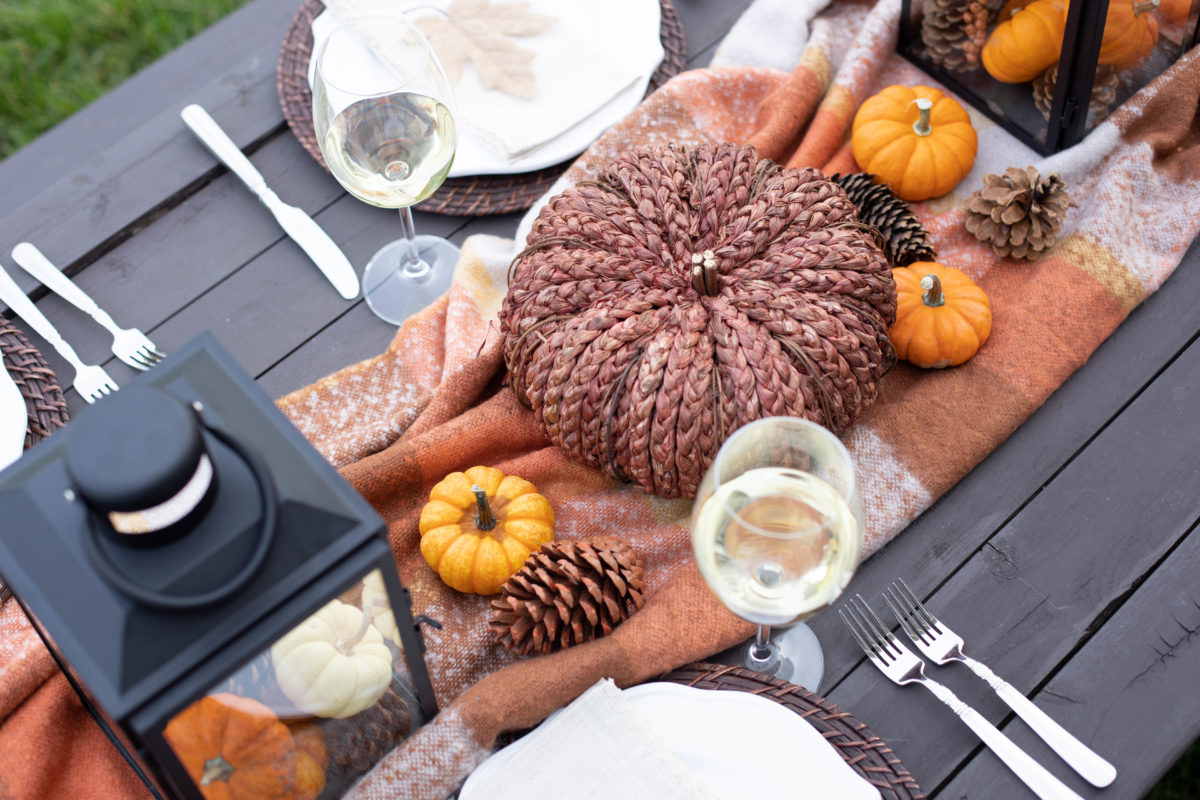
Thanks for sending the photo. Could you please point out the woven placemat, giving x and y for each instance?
(45, 406)
(44, 401)
(466, 196)
(866, 753)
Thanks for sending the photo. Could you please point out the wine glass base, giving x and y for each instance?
(799, 659)
(394, 294)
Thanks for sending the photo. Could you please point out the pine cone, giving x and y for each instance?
(358, 742)
(954, 31)
(1018, 213)
(904, 238)
(1104, 91)
(568, 593)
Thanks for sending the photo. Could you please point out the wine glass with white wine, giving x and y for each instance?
(777, 530)
(383, 117)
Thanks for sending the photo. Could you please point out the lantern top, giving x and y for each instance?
(53, 533)
(140, 447)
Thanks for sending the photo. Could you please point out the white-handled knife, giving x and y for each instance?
(13, 419)
(298, 225)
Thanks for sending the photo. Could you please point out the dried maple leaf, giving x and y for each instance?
(478, 30)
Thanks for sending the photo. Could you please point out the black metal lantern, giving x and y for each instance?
(1047, 70)
(225, 604)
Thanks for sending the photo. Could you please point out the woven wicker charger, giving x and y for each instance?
(44, 401)
(466, 196)
(866, 753)
(45, 406)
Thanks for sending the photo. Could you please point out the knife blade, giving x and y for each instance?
(13, 420)
(324, 252)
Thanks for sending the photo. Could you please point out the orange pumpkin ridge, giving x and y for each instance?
(942, 318)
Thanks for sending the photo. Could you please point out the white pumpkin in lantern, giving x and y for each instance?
(335, 663)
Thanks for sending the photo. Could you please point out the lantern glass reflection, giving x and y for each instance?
(311, 714)
(1047, 70)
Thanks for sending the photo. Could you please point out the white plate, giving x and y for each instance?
(744, 747)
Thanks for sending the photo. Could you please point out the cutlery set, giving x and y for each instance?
(130, 345)
(941, 645)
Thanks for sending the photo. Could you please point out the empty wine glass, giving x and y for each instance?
(383, 116)
(777, 531)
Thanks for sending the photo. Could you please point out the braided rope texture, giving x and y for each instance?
(685, 293)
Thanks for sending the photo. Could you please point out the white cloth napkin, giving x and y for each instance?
(597, 748)
(592, 66)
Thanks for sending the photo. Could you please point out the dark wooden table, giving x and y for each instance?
(1068, 559)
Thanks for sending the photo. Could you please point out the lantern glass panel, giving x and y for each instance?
(309, 715)
(1049, 71)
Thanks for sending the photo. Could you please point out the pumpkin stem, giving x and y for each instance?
(924, 105)
(485, 520)
(933, 291)
(704, 273)
(344, 646)
(216, 769)
(1144, 6)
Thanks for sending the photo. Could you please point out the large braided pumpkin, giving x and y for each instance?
(685, 293)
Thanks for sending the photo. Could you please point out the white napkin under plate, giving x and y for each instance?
(592, 67)
(722, 744)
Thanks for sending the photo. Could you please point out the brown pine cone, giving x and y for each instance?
(1018, 213)
(904, 238)
(568, 593)
(358, 742)
(954, 31)
(1104, 91)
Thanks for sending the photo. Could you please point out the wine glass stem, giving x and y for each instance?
(411, 263)
(762, 649)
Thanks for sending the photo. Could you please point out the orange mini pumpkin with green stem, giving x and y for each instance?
(479, 526)
(942, 316)
(235, 748)
(1130, 33)
(1027, 42)
(915, 139)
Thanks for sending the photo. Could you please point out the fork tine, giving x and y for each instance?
(861, 612)
(853, 625)
(884, 632)
(916, 604)
(904, 617)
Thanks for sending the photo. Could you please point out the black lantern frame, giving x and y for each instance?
(136, 667)
(1077, 66)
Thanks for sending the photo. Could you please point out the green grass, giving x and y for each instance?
(56, 56)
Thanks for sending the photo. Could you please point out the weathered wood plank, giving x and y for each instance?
(1039, 587)
(955, 527)
(1131, 690)
(98, 200)
(184, 72)
(358, 334)
(705, 23)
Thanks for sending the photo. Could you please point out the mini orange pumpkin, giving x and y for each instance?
(915, 139)
(942, 316)
(1130, 33)
(235, 748)
(479, 526)
(1024, 45)
(1175, 11)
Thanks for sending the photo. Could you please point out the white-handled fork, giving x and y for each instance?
(942, 645)
(129, 344)
(899, 664)
(91, 381)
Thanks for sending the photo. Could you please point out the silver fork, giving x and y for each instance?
(129, 344)
(92, 382)
(899, 664)
(942, 645)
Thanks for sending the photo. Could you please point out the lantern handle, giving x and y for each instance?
(185, 602)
